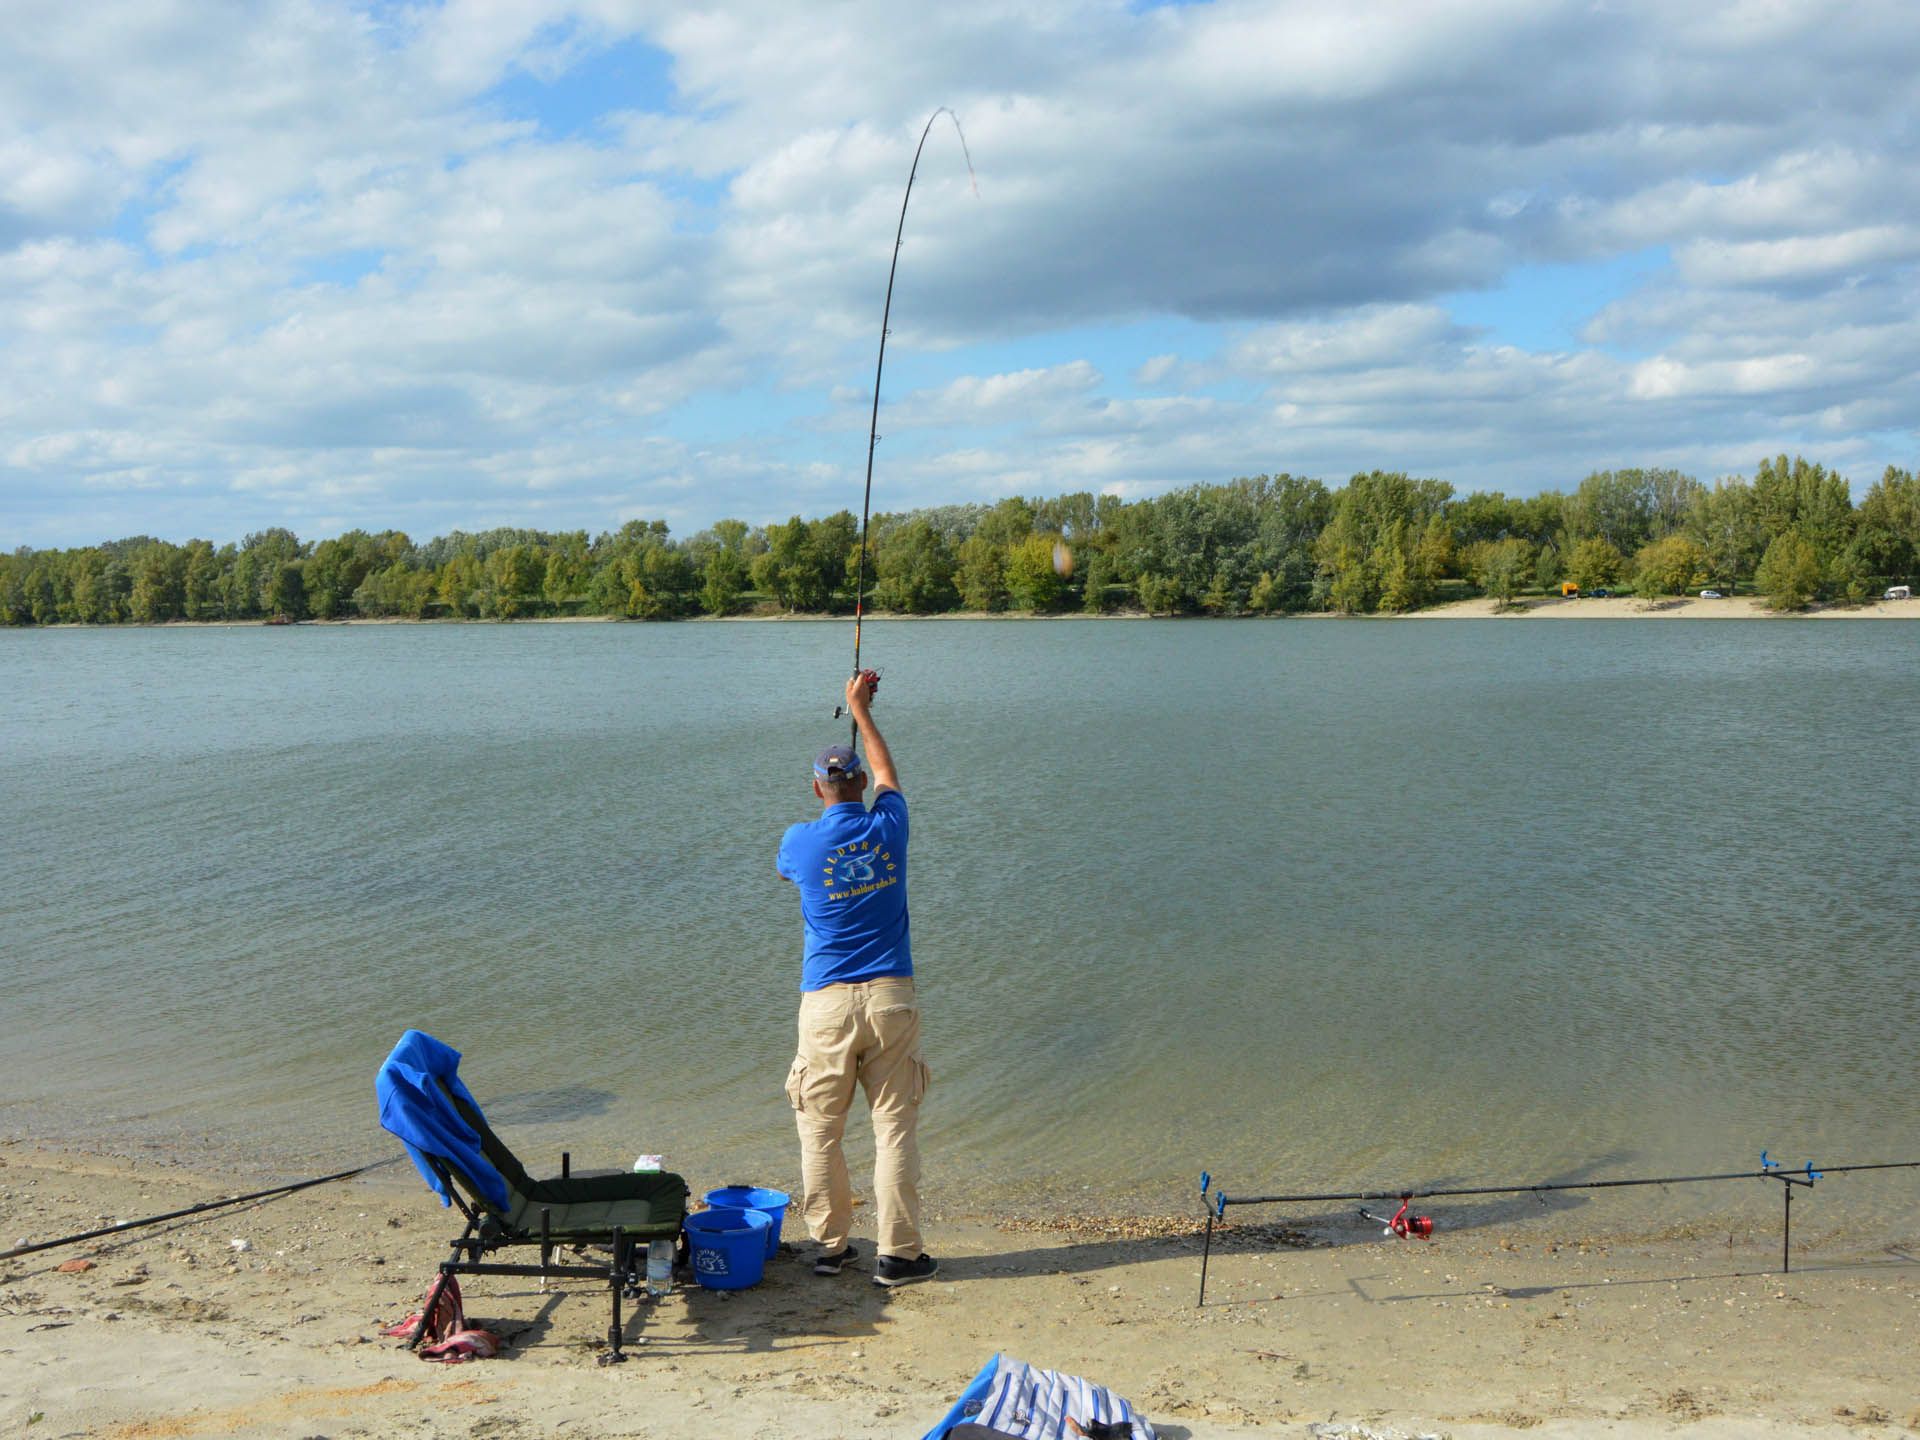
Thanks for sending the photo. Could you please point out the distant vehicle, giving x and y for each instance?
(1711, 595)
(1600, 592)
(1569, 590)
(1898, 592)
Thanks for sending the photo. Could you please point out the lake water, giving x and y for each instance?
(1309, 904)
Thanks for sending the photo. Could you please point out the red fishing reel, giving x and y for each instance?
(1407, 1227)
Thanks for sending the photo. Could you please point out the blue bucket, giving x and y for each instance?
(729, 1246)
(772, 1203)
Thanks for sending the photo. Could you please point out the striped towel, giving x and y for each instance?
(1018, 1399)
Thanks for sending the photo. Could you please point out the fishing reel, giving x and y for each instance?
(873, 691)
(1407, 1227)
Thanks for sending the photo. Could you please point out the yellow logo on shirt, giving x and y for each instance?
(859, 869)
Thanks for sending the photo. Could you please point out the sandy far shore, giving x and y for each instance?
(263, 1321)
(1621, 607)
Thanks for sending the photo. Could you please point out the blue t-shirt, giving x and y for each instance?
(850, 867)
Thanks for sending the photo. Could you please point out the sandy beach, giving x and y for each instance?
(1686, 607)
(263, 1320)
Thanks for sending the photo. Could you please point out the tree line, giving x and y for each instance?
(1266, 544)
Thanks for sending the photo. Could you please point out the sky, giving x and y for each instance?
(563, 265)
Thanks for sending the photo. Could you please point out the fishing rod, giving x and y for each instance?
(1420, 1227)
(124, 1225)
(873, 425)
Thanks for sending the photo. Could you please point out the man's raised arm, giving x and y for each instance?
(879, 758)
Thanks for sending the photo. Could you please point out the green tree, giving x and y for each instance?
(1789, 574)
(1500, 567)
(1435, 557)
(1850, 576)
(238, 590)
(1797, 495)
(1032, 582)
(981, 575)
(1725, 523)
(200, 582)
(723, 582)
(1268, 596)
(668, 581)
(1594, 563)
(41, 590)
(1099, 581)
(262, 554)
(1399, 588)
(1615, 506)
(99, 587)
(334, 570)
(914, 570)
(458, 585)
(1670, 500)
(1486, 515)
(1350, 584)
(1546, 570)
(15, 609)
(287, 591)
(1670, 566)
(515, 580)
(1373, 514)
(1008, 523)
(1888, 525)
(159, 584)
(396, 590)
(806, 563)
(565, 582)
(1159, 594)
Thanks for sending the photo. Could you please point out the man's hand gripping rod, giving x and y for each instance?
(873, 690)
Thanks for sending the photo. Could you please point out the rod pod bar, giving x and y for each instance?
(1770, 1169)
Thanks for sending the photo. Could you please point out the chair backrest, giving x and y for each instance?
(519, 1182)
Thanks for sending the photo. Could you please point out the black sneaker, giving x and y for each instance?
(898, 1270)
(825, 1264)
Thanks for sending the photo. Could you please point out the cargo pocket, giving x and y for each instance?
(797, 1084)
(922, 1078)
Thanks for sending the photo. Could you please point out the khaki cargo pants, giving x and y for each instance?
(867, 1032)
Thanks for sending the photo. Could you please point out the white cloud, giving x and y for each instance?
(1799, 257)
(1365, 338)
(300, 261)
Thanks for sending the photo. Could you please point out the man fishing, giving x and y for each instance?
(859, 1020)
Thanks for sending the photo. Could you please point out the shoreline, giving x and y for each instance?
(263, 1320)
(1545, 607)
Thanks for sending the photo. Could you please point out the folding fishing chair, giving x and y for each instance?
(423, 1101)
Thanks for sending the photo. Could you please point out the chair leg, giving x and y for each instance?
(617, 1278)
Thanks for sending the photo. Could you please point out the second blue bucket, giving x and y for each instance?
(771, 1203)
(729, 1252)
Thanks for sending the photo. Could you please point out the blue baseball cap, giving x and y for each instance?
(836, 762)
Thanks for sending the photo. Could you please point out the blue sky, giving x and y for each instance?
(436, 266)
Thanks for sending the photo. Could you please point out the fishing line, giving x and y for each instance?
(125, 1225)
(873, 425)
